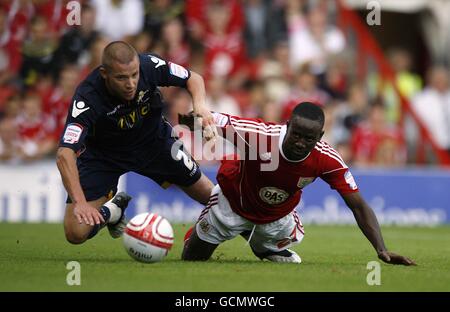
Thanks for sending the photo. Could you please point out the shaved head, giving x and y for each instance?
(118, 52)
(120, 70)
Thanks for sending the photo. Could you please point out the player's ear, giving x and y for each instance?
(103, 71)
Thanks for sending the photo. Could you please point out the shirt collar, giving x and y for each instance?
(280, 145)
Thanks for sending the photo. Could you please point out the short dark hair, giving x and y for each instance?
(118, 51)
(309, 111)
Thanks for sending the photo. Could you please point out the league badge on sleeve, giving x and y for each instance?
(73, 133)
(178, 70)
(350, 180)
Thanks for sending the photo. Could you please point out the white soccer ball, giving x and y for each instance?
(148, 237)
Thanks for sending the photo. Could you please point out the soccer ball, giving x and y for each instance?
(148, 237)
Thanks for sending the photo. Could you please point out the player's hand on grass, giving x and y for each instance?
(393, 258)
(87, 214)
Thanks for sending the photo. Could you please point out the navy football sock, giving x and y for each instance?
(106, 214)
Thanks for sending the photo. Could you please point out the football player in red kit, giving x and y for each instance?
(257, 194)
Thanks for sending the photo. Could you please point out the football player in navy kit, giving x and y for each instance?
(115, 125)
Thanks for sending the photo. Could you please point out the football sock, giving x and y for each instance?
(106, 214)
(114, 212)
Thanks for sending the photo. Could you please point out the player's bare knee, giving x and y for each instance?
(75, 237)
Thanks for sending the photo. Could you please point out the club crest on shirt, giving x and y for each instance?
(204, 226)
(273, 195)
(304, 181)
(141, 96)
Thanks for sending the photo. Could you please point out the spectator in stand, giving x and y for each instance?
(159, 12)
(75, 44)
(276, 74)
(375, 142)
(270, 30)
(219, 100)
(277, 64)
(119, 19)
(20, 13)
(143, 42)
(305, 89)
(256, 26)
(408, 83)
(9, 136)
(176, 48)
(55, 12)
(256, 98)
(11, 108)
(348, 114)
(332, 136)
(432, 105)
(312, 38)
(57, 103)
(9, 141)
(35, 130)
(10, 57)
(271, 112)
(335, 80)
(224, 48)
(95, 56)
(196, 12)
(38, 52)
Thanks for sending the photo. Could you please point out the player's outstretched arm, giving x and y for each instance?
(196, 87)
(66, 162)
(368, 223)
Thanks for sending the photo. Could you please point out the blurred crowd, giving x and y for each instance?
(259, 59)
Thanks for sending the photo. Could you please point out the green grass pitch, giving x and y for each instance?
(33, 257)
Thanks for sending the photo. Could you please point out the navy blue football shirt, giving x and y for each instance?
(98, 121)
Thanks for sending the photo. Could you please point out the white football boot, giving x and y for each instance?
(287, 256)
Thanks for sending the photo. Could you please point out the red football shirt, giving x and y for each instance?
(264, 186)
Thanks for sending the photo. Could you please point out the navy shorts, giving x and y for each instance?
(99, 173)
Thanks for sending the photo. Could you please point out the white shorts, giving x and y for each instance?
(218, 223)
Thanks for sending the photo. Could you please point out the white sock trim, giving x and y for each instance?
(114, 210)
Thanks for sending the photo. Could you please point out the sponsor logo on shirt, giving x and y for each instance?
(73, 133)
(159, 62)
(132, 119)
(273, 195)
(78, 108)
